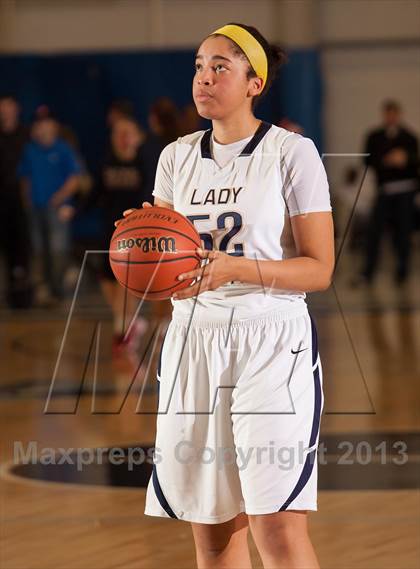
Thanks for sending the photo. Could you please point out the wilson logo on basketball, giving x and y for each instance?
(150, 249)
(148, 244)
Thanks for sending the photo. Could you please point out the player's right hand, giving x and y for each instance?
(130, 211)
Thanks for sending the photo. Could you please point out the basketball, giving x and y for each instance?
(150, 248)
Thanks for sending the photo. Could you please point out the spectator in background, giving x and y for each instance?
(14, 225)
(50, 176)
(119, 109)
(164, 123)
(164, 120)
(354, 204)
(122, 109)
(77, 243)
(64, 131)
(191, 121)
(164, 128)
(288, 124)
(119, 184)
(392, 152)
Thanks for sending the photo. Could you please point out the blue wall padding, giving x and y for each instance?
(78, 88)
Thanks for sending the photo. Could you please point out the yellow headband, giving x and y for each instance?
(249, 45)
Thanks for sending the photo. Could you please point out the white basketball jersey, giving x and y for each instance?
(244, 208)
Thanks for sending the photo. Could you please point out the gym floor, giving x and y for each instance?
(62, 516)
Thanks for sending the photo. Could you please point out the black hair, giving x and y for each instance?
(124, 106)
(276, 57)
(43, 113)
(391, 105)
(8, 95)
(168, 116)
(131, 119)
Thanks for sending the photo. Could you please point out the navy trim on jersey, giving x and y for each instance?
(256, 139)
(159, 367)
(160, 496)
(311, 456)
(205, 145)
(249, 148)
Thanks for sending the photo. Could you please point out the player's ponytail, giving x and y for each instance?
(276, 57)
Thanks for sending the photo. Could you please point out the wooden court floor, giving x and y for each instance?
(369, 500)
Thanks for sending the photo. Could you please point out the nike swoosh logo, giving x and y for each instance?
(298, 351)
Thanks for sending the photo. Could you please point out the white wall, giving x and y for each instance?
(45, 26)
(80, 25)
(356, 78)
(352, 20)
(356, 82)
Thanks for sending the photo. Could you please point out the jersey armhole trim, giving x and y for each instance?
(315, 210)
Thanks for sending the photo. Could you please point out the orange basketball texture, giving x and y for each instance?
(150, 248)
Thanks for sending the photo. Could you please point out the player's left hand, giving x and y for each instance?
(220, 269)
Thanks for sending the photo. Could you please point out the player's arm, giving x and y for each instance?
(306, 194)
(157, 202)
(309, 271)
(162, 203)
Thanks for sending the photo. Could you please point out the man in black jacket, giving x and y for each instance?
(392, 152)
(14, 225)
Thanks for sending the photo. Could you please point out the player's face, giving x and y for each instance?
(220, 85)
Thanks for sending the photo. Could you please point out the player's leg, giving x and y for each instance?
(282, 540)
(276, 408)
(222, 545)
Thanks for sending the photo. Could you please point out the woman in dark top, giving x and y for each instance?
(164, 127)
(122, 179)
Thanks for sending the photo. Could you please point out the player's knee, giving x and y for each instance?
(211, 553)
(278, 533)
(213, 542)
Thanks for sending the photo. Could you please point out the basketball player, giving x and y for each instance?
(240, 396)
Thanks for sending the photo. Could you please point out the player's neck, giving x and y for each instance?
(234, 128)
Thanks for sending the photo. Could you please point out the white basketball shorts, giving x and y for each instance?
(238, 419)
